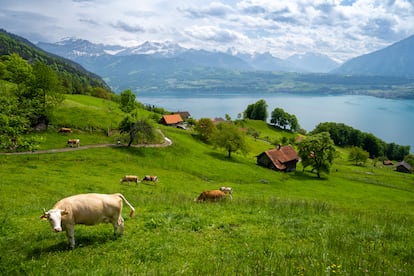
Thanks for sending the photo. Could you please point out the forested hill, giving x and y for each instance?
(76, 79)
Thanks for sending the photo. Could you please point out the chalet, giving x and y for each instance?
(171, 120)
(283, 158)
(404, 167)
(387, 163)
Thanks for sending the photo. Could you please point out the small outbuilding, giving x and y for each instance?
(171, 120)
(404, 167)
(283, 158)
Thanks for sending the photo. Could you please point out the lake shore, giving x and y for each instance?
(388, 119)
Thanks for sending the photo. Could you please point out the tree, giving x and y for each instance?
(18, 70)
(138, 130)
(127, 103)
(317, 151)
(230, 138)
(47, 89)
(293, 121)
(409, 159)
(283, 119)
(279, 118)
(358, 155)
(14, 124)
(257, 111)
(205, 129)
(373, 145)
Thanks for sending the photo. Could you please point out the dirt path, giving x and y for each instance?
(167, 142)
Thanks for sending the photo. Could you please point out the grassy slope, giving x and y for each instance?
(360, 218)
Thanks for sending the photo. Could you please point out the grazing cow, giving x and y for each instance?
(88, 209)
(74, 142)
(213, 195)
(152, 178)
(65, 130)
(227, 190)
(129, 178)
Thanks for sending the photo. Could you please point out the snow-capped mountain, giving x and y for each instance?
(151, 63)
(72, 48)
(77, 49)
(165, 49)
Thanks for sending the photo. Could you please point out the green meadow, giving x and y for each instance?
(357, 220)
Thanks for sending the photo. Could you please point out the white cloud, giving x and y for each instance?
(339, 28)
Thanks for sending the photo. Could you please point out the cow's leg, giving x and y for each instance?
(119, 224)
(70, 233)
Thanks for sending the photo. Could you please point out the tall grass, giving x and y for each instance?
(356, 221)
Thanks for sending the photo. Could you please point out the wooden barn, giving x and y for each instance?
(283, 158)
(171, 120)
(403, 167)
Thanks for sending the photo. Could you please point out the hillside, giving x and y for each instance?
(394, 60)
(357, 220)
(77, 78)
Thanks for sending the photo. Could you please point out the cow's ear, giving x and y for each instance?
(45, 216)
(64, 212)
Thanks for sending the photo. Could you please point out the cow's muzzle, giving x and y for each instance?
(57, 229)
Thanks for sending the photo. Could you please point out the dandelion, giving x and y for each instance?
(334, 269)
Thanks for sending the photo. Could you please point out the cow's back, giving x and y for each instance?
(212, 195)
(90, 209)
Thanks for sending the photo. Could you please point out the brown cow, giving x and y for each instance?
(213, 195)
(74, 142)
(152, 178)
(129, 178)
(65, 130)
(87, 209)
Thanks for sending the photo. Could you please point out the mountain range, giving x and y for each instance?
(396, 60)
(79, 50)
(76, 79)
(165, 66)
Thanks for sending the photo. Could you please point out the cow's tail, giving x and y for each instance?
(132, 213)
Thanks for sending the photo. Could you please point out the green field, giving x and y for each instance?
(358, 220)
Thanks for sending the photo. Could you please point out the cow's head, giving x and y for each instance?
(227, 190)
(54, 216)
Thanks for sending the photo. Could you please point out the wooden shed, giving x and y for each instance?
(283, 158)
(172, 119)
(404, 167)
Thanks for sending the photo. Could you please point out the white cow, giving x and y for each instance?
(74, 142)
(227, 190)
(152, 178)
(88, 209)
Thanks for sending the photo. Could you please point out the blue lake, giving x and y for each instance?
(388, 119)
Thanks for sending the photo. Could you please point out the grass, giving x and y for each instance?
(355, 221)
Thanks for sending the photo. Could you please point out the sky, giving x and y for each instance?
(340, 29)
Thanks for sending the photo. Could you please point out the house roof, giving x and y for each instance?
(405, 165)
(282, 155)
(172, 119)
